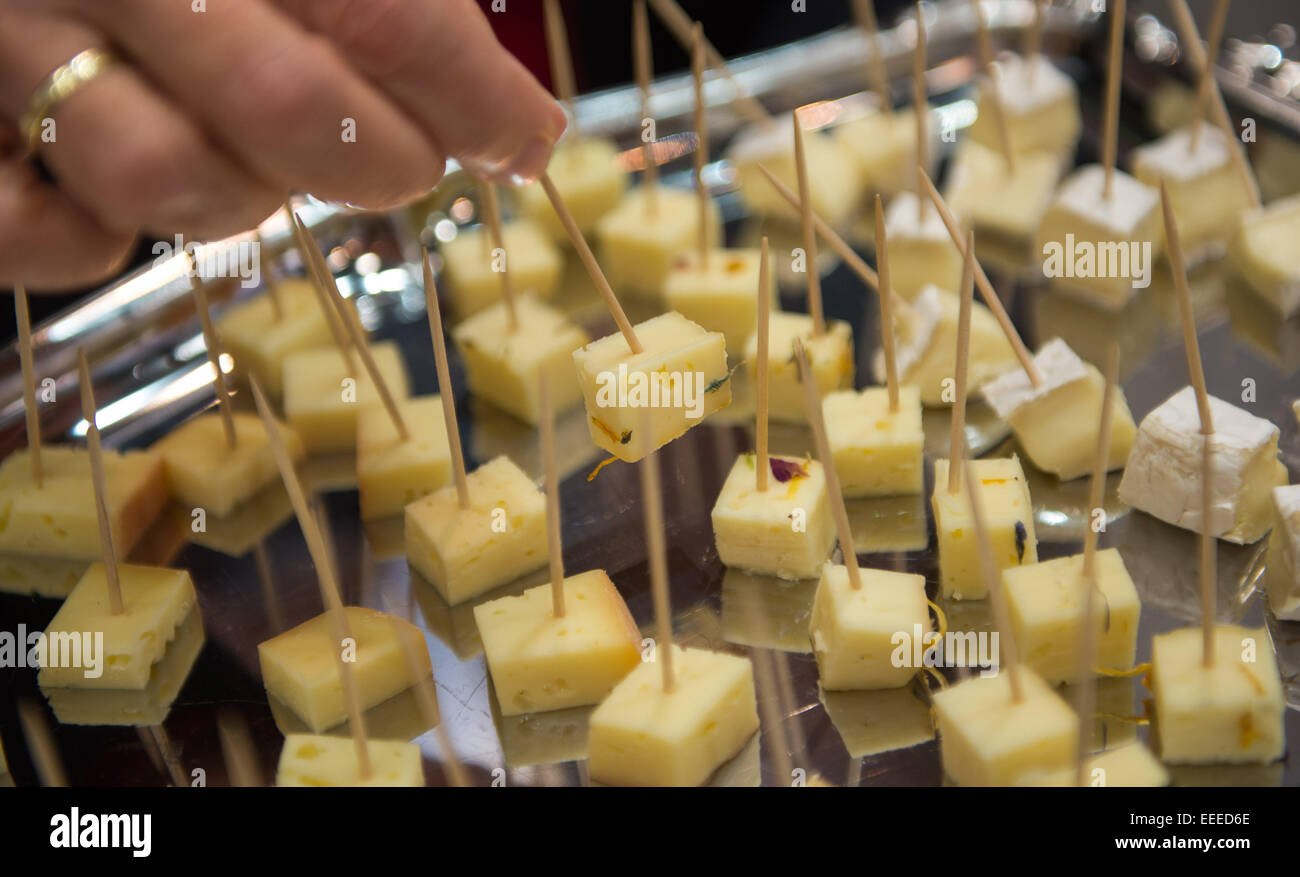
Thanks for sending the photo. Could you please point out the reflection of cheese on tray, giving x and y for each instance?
(1127, 766)
(766, 611)
(401, 717)
(872, 722)
(316, 760)
(1282, 570)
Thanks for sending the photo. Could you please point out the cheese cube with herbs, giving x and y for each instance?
(318, 760)
(323, 399)
(1041, 105)
(505, 366)
(1282, 567)
(1262, 251)
(474, 266)
(259, 341)
(834, 179)
(203, 471)
(467, 552)
(1056, 422)
(884, 146)
(877, 452)
(638, 246)
(300, 666)
(1163, 475)
(392, 472)
(927, 347)
(1006, 204)
(854, 631)
(587, 174)
(58, 518)
(830, 356)
(1008, 519)
(1045, 605)
(785, 530)
(722, 296)
(642, 735)
(681, 374)
(921, 252)
(540, 662)
(988, 739)
(1231, 712)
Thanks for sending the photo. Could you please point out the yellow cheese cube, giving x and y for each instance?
(766, 611)
(1045, 605)
(1262, 251)
(1041, 105)
(681, 372)
(501, 536)
(877, 452)
(58, 518)
(988, 739)
(855, 632)
(316, 760)
(401, 717)
(1282, 567)
(392, 473)
(259, 343)
(203, 471)
(921, 252)
(830, 357)
(1006, 205)
(643, 736)
(539, 662)
(300, 666)
(722, 296)
(322, 399)
(505, 367)
(1008, 519)
(638, 248)
(52, 577)
(474, 267)
(884, 146)
(1230, 712)
(589, 178)
(834, 178)
(784, 531)
(1129, 766)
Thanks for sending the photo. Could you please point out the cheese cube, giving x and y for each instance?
(392, 473)
(784, 531)
(830, 357)
(1230, 712)
(155, 603)
(872, 722)
(927, 347)
(681, 371)
(1204, 190)
(1045, 605)
(51, 577)
(1002, 204)
(854, 632)
(316, 760)
(539, 662)
(1163, 476)
(1281, 572)
(722, 296)
(766, 612)
(504, 367)
(58, 519)
(1262, 251)
(1129, 766)
(401, 717)
(921, 252)
(501, 536)
(474, 269)
(988, 739)
(642, 735)
(300, 666)
(259, 343)
(1008, 519)
(1101, 250)
(322, 399)
(877, 452)
(638, 248)
(1041, 105)
(884, 146)
(1056, 423)
(587, 174)
(834, 179)
(203, 471)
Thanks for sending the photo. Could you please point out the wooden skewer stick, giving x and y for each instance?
(996, 107)
(817, 421)
(1114, 72)
(983, 44)
(957, 438)
(865, 13)
(644, 61)
(551, 473)
(325, 573)
(237, 749)
(557, 49)
(701, 154)
(987, 292)
(921, 105)
(40, 744)
(213, 345)
(592, 266)
(1101, 465)
(886, 307)
(444, 382)
(90, 413)
(426, 697)
(809, 235)
(269, 279)
(29, 385)
(492, 207)
(1034, 39)
(657, 556)
(310, 256)
(994, 581)
(761, 463)
(1203, 88)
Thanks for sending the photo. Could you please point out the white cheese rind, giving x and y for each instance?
(1130, 202)
(1172, 155)
(1282, 578)
(1013, 390)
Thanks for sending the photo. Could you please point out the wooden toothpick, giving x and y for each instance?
(993, 579)
(644, 62)
(213, 346)
(444, 382)
(1114, 72)
(813, 404)
(269, 279)
(921, 104)
(1203, 88)
(865, 13)
(372, 367)
(1101, 463)
(550, 472)
(701, 153)
(657, 556)
(760, 415)
(886, 307)
(809, 235)
(996, 107)
(426, 696)
(90, 413)
(557, 50)
(1034, 39)
(316, 276)
(29, 385)
(237, 749)
(40, 744)
(492, 208)
(957, 437)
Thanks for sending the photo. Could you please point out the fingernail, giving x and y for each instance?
(528, 163)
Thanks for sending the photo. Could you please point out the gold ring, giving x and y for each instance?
(60, 85)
